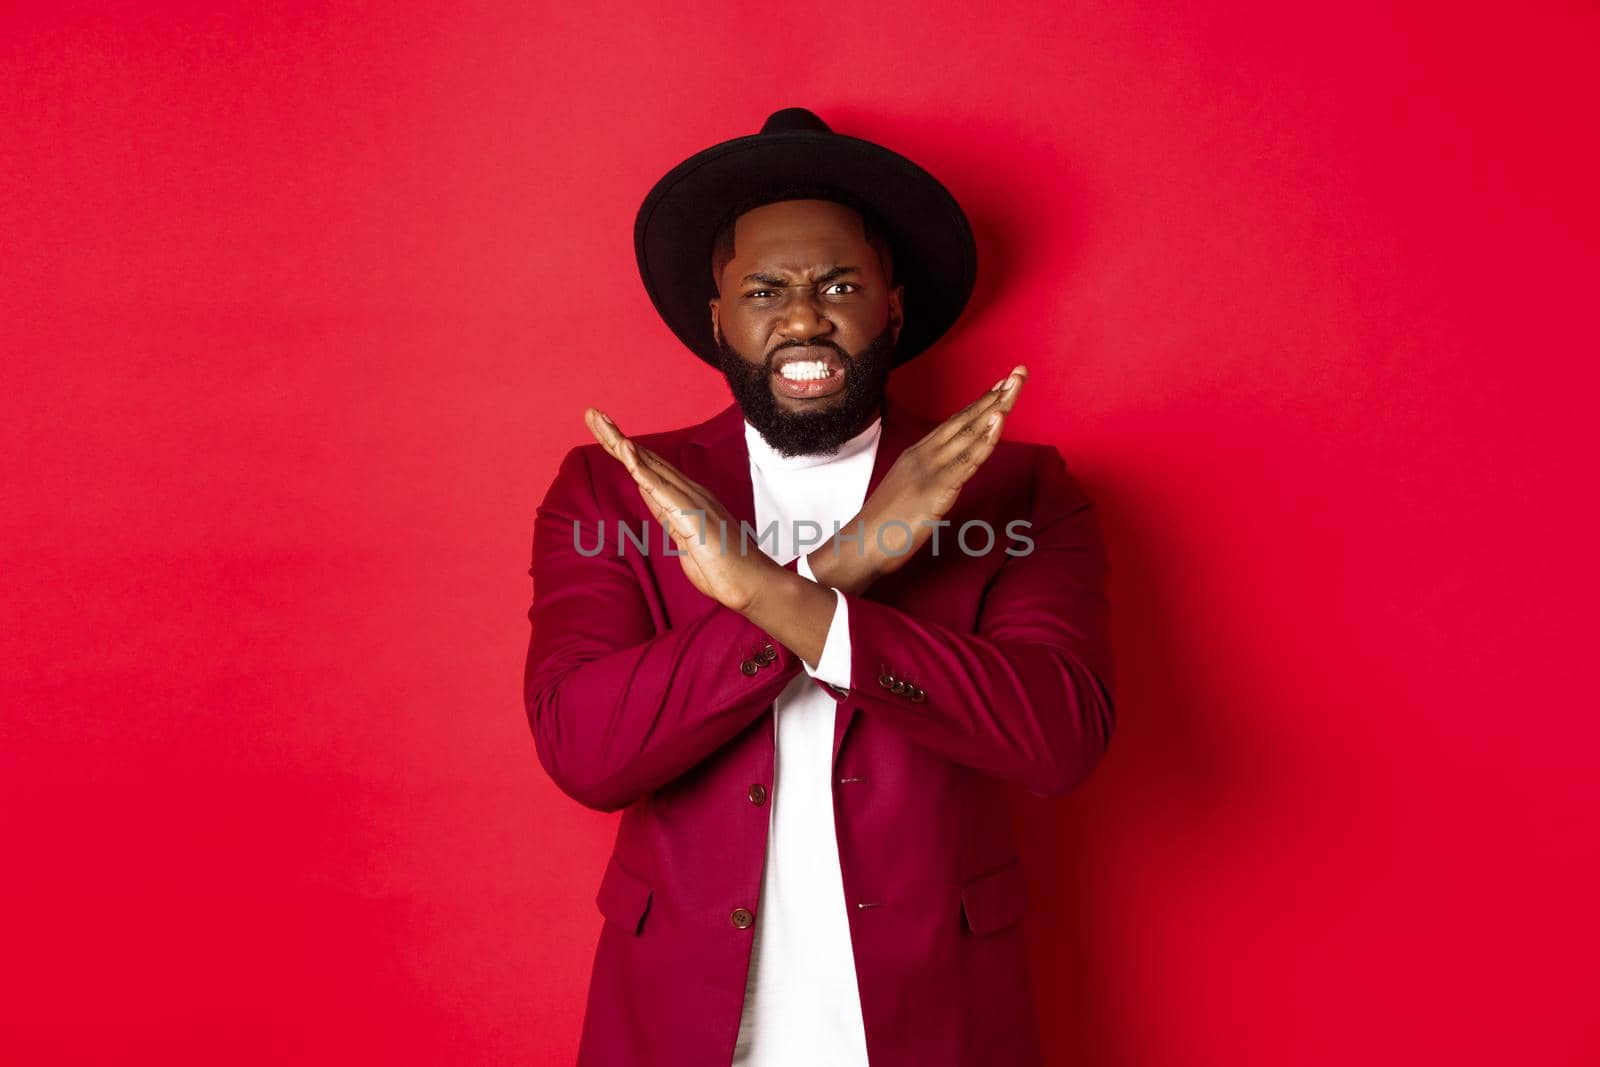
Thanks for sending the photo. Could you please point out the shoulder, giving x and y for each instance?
(1023, 462)
(1031, 474)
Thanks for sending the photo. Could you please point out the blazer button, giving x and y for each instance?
(758, 794)
(742, 918)
(749, 666)
(899, 688)
(766, 655)
(917, 695)
(887, 680)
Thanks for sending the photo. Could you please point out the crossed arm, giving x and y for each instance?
(618, 709)
(1028, 696)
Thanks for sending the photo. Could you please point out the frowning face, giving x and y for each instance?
(805, 320)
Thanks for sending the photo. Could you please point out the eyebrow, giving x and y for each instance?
(774, 280)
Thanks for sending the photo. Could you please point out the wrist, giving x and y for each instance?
(795, 611)
(846, 569)
(772, 588)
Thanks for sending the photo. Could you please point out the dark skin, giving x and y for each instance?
(803, 244)
(803, 272)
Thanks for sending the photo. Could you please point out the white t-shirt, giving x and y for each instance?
(802, 1006)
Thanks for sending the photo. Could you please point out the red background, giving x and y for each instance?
(301, 309)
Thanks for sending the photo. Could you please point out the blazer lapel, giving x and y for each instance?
(718, 458)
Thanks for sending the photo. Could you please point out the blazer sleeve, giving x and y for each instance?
(619, 707)
(1028, 696)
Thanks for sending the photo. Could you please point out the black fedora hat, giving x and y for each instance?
(797, 156)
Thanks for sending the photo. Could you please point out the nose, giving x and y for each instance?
(802, 318)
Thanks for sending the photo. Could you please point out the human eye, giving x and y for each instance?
(760, 294)
(850, 286)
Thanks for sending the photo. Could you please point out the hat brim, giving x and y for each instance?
(935, 255)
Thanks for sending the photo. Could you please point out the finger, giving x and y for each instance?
(1010, 379)
(960, 465)
(669, 503)
(1015, 381)
(976, 428)
(622, 447)
(628, 453)
(599, 430)
(699, 509)
(695, 504)
(970, 419)
(680, 523)
(976, 408)
(661, 514)
(961, 456)
(650, 502)
(939, 432)
(669, 489)
(1002, 398)
(690, 489)
(963, 463)
(667, 492)
(689, 483)
(611, 435)
(660, 477)
(611, 439)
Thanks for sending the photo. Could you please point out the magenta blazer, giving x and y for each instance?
(968, 672)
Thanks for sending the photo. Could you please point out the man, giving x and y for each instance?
(851, 629)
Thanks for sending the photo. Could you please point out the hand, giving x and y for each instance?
(918, 490)
(732, 578)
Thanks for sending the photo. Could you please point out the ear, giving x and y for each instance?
(716, 327)
(896, 308)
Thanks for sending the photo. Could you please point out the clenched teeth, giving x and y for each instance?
(805, 371)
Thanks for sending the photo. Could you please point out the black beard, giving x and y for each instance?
(812, 432)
